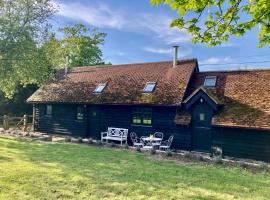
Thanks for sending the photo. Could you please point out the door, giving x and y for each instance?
(94, 122)
(201, 127)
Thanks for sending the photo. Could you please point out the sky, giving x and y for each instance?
(139, 32)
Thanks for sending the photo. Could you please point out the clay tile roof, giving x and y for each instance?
(125, 84)
(246, 97)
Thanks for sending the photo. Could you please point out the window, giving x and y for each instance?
(149, 87)
(210, 81)
(100, 88)
(202, 117)
(142, 116)
(80, 113)
(48, 110)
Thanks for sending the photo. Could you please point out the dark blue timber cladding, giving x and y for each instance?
(235, 142)
(243, 143)
(99, 118)
(62, 121)
(162, 121)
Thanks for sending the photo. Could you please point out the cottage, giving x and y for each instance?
(228, 109)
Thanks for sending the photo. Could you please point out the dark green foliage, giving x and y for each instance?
(17, 106)
(243, 164)
(90, 141)
(188, 155)
(112, 145)
(214, 22)
(169, 153)
(138, 149)
(153, 151)
(79, 44)
(80, 140)
(218, 161)
(126, 146)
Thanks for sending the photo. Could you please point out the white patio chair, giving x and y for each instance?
(135, 140)
(157, 135)
(165, 145)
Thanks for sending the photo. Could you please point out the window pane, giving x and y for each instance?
(147, 117)
(136, 116)
(149, 87)
(202, 117)
(48, 110)
(142, 116)
(100, 88)
(80, 112)
(210, 81)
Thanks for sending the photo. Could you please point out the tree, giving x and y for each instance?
(214, 21)
(17, 105)
(23, 27)
(79, 44)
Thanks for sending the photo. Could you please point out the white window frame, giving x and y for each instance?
(210, 77)
(100, 85)
(148, 83)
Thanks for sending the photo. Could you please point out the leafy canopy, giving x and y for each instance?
(23, 27)
(214, 21)
(79, 44)
(29, 51)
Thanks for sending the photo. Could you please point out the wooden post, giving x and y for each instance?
(6, 122)
(25, 122)
(34, 117)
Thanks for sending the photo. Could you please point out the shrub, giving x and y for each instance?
(173, 150)
(99, 143)
(138, 149)
(188, 155)
(112, 145)
(169, 153)
(68, 139)
(126, 146)
(152, 151)
(80, 140)
(243, 164)
(201, 158)
(216, 151)
(90, 141)
(264, 167)
(218, 161)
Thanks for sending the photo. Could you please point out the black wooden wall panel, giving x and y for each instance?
(62, 121)
(243, 143)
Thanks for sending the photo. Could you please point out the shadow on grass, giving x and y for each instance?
(106, 173)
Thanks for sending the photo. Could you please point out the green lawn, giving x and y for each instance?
(36, 170)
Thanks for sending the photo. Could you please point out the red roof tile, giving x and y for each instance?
(125, 84)
(246, 97)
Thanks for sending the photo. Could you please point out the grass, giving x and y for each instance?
(37, 170)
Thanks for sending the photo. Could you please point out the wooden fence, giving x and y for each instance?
(24, 123)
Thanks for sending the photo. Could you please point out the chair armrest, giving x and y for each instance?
(103, 133)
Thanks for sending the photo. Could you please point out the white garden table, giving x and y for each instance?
(155, 142)
(153, 139)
